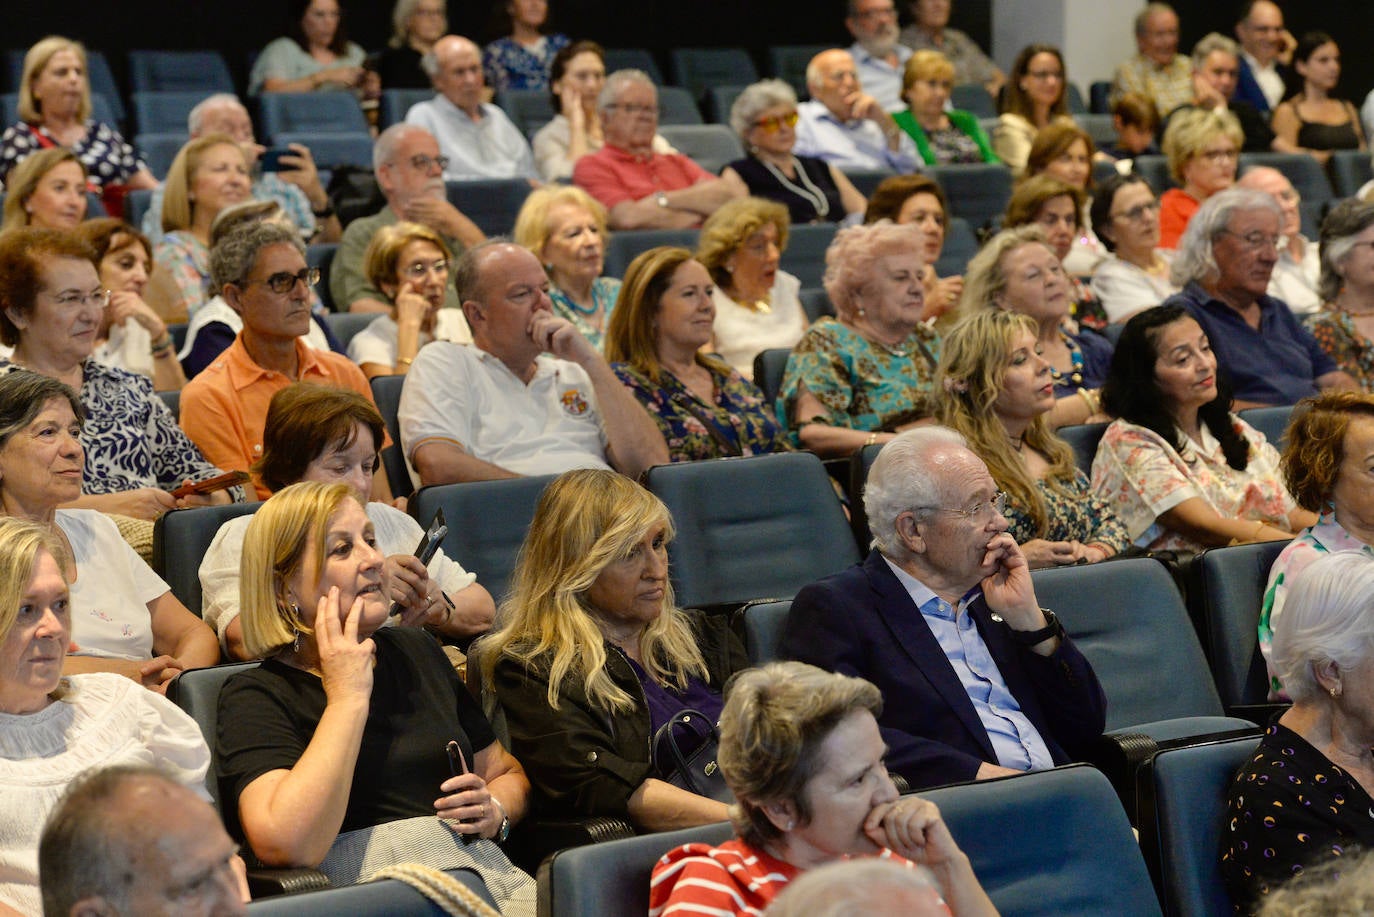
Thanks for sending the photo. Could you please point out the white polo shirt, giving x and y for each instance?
(460, 394)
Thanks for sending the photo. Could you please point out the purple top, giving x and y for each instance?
(665, 702)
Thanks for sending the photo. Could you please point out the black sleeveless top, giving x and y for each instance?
(1314, 136)
(796, 194)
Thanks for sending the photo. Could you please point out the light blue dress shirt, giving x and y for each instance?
(880, 79)
(849, 144)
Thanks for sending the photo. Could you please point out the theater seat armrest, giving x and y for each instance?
(266, 883)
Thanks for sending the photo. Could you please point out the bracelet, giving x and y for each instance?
(872, 438)
(404, 361)
(1090, 399)
(325, 213)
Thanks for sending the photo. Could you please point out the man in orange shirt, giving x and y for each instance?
(261, 271)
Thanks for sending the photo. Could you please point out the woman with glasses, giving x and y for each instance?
(1135, 274)
(942, 136)
(997, 393)
(1312, 120)
(1057, 207)
(409, 264)
(765, 118)
(1034, 97)
(1203, 148)
(51, 305)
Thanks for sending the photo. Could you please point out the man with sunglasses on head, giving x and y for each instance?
(260, 270)
(410, 172)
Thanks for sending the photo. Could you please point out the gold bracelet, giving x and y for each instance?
(872, 438)
(405, 361)
(1090, 399)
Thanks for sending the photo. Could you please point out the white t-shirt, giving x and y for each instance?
(113, 587)
(377, 342)
(129, 347)
(1125, 289)
(460, 394)
(742, 333)
(397, 533)
(217, 310)
(1295, 282)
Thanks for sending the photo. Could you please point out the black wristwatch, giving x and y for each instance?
(324, 214)
(1052, 628)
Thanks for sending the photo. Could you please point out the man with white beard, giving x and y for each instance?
(878, 57)
(410, 172)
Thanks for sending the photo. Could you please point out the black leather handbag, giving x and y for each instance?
(697, 771)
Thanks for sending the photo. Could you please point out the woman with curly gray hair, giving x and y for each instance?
(765, 117)
(1344, 326)
(801, 750)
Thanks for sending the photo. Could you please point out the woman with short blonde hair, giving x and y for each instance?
(1203, 148)
(943, 136)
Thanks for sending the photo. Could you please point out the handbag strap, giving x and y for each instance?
(438, 886)
(667, 736)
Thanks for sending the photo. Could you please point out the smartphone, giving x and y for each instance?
(430, 543)
(270, 161)
(217, 483)
(456, 762)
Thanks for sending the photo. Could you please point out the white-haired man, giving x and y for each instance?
(846, 126)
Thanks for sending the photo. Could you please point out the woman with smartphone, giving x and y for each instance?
(354, 746)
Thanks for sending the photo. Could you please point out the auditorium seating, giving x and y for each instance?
(180, 540)
(973, 98)
(978, 192)
(769, 366)
(385, 898)
(491, 203)
(711, 146)
(1271, 421)
(203, 72)
(386, 393)
(165, 112)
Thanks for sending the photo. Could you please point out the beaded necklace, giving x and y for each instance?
(596, 307)
(811, 193)
(1075, 375)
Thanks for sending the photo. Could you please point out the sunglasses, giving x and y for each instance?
(774, 124)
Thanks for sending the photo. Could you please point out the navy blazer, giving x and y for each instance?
(863, 622)
(1248, 88)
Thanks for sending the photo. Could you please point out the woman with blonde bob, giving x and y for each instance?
(336, 743)
(1203, 148)
(758, 305)
(595, 655)
(47, 191)
(704, 408)
(998, 391)
(801, 750)
(943, 136)
(409, 264)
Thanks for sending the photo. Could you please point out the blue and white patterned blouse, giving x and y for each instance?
(107, 156)
(510, 65)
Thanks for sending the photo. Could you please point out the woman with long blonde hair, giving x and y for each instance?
(594, 655)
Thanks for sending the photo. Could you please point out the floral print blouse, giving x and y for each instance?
(510, 65)
(1141, 477)
(187, 260)
(1337, 335)
(738, 422)
(862, 385)
(1079, 515)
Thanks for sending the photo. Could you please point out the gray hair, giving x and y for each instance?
(758, 98)
(1346, 220)
(1143, 17)
(904, 479)
(389, 141)
(1328, 616)
(467, 271)
(615, 84)
(1211, 43)
(1196, 259)
(233, 259)
(196, 117)
(23, 393)
(400, 21)
(866, 885)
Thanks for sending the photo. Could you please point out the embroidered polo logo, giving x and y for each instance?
(574, 403)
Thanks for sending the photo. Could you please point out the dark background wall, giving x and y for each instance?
(238, 26)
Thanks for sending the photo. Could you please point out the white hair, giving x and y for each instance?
(196, 117)
(903, 479)
(1328, 616)
(1196, 257)
(615, 84)
(758, 98)
(866, 885)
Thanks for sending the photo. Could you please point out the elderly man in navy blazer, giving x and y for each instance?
(978, 680)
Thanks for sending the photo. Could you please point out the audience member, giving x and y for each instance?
(878, 58)
(757, 305)
(50, 306)
(127, 622)
(47, 190)
(260, 270)
(1136, 122)
(1157, 71)
(1313, 121)
(594, 655)
(640, 187)
(295, 186)
(1035, 96)
(1344, 326)
(1266, 50)
(943, 135)
(1203, 148)
(1329, 442)
(1064, 151)
(1336, 888)
(929, 31)
(998, 392)
(415, 26)
(1135, 275)
(476, 138)
(207, 175)
(1019, 271)
(1304, 797)
(130, 335)
(59, 728)
(409, 170)
(314, 54)
(520, 58)
(1224, 263)
(918, 200)
(109, 848)
(1216, 74)
(1298, 269)
(658, 345)
(856, 379)
(863, 886)
(846, 126)
(765, 117)
(1180, 470)
(1057, 208)
(410, 264)
(331, 752)
(802, 751)
(565, 228)
(1015, 694)
(502, 408)
(331, 435)
(55, 110)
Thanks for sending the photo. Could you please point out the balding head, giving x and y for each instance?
(455, 67)
(1275, 184)
(501, 285)
(832, 79)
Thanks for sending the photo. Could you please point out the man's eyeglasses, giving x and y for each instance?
(998, 504)
(1255, 240)
(423, 163)
(74, 300)
(777, 122)
(284, 282)
(632, 109)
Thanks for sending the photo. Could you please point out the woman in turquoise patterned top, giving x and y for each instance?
(861, 377)
(565, 227)
(704, 408)
(997, 392)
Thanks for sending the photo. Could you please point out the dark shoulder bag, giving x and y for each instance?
(698, 771)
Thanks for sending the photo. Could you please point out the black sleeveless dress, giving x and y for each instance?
(801, 197)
